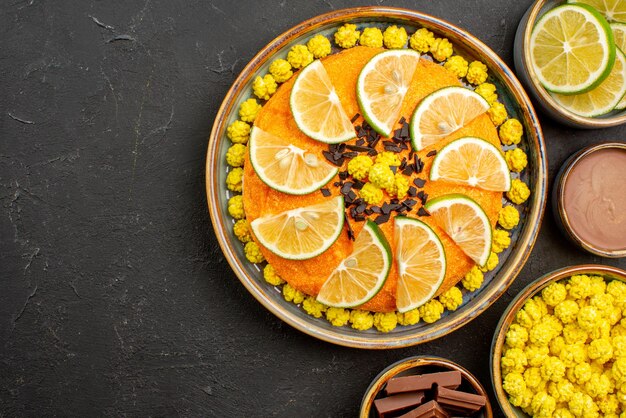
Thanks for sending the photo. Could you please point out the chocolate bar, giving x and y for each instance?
(428, 410)
(459, 402)
(391, 404)
(450, 380)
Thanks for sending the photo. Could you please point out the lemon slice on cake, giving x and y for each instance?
(285, 167)
(612, 10)
(572, 49)
(602, 99)
(465, 222)
(421, 262)
(382, 85)
(360, 276)
(474, 162)
(302, 233)
(443, 112)
(316, 108)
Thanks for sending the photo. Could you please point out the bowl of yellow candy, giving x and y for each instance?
(559, 349)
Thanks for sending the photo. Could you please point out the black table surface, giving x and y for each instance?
(115, 298)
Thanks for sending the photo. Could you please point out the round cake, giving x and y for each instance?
(275, 117)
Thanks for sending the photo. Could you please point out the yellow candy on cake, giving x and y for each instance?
(488, 92)
(271, 277)
(337, 317)
(313, 307)
(253, 252)
(319, 46)
(497, 113)
(452, 298)
(264, 87)
(248, 110)
(500, 240)
(441, 49)
(372, 37)
(511, 132)
(476, 73)
(473, 279)
(299, 56)
(394, 37)
(385, 321)
(347, 36)
(431, 311)
(234, 179)
(361, 320)
(458, 65)
(411, 317)
(516, 159)
(235, 207)
(519, 192)
(359, 167)
(371, 194)
(422, 40)
(241, 229)
(238, 132)
(280, 69)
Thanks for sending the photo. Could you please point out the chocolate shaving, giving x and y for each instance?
(350, 231)
(432, 153)
(422, 212)
(419, 182)
(325, 192)
(381, 219)
(354, 118)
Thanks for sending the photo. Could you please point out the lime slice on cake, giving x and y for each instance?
(285, 167)
(302, 233)
(474, 162)
(316, 107)
(382, 85)
(421, 262)
(612, 10)
(465, 222)
(443, 112)
(572, 49)
(603, 98)
(360, 276)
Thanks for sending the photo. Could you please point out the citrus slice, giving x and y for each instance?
(443, 112)
(572, 49)
(619, 34)
(285, 167)
(301, 233)
(474, 162)
(465, 222)
(421, 263)
(382, 85)
(316, 107)
(360, 276)
(603, 98)
(612, 10)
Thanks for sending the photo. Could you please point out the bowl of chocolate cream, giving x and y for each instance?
(589, 199)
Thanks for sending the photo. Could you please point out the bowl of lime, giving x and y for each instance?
(570, 57)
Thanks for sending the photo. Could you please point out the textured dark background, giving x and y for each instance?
(115, 298)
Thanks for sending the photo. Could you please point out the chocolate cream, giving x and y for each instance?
(594, 199)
